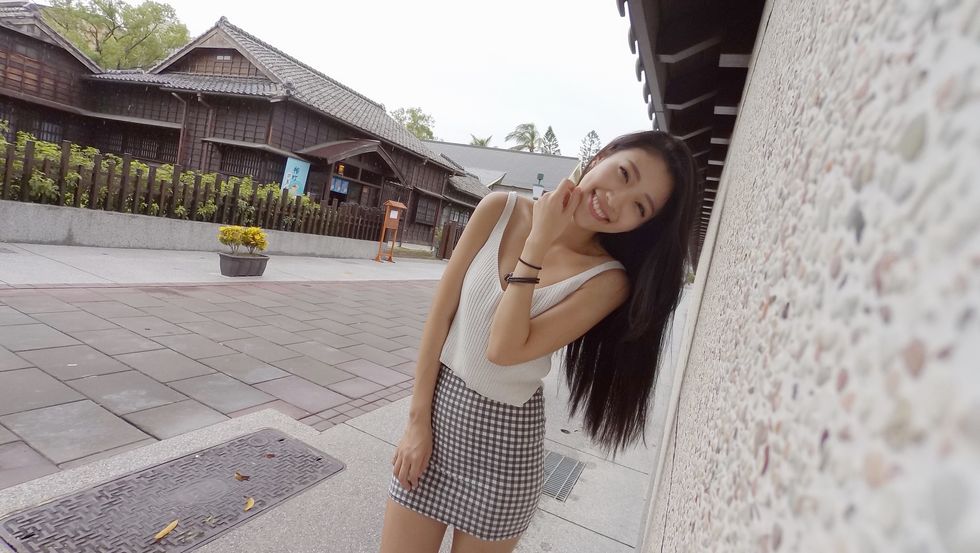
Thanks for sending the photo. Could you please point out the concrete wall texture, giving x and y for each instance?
(831, 399)
(46, 224)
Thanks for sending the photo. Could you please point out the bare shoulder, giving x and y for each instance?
(613, 284)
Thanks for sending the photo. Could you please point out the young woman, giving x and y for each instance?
(596, 266)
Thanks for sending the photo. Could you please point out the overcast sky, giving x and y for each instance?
(476, 67)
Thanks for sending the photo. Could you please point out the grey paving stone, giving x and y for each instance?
(35, 336)
(71, 431)
(105, 454)
(26, 389)
(375, 355)
(247, 369)
(322, 352)
(408, 341)
(302, 393)
(355, 387)
(73, 362)
(126, 392)
(410, 354)
(10, 360)
(378, 330)
(174, 314)
(222, 392)
(375, 341)
(296, 313)
(10, 316)
(262, 349)
(373, 372)
(194, 346)
(234, 319)
(324, 425)
(74, 321)
(164, 365)
(116, 341)
(328, 338)
(285, 323)
(149, 326)
(175, 419)
(108, 309)
(339, 329)
(276, 335)
(19, 463)
(7, 436)
(37, 303)
(313, 370)
(137, 299)
(287, 409)
(216, 331)
(248, 310)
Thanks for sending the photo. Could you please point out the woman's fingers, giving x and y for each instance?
(403, 475)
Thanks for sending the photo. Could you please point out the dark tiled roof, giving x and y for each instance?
(249, 86)
(25, 17)
(521, 168)
(313, 88)
(469, 184)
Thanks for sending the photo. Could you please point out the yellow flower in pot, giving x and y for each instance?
(247, 264)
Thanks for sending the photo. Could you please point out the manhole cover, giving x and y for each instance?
(201, 491)
(560, 475)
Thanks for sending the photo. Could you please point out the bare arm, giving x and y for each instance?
(413, 452)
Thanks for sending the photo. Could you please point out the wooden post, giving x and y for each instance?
(267, 210)
(219, 212)
(254, 204)
(77, 197)
(280, 207)
(207, 195)
(233, 218)
(110, 173)
(175, 185)
(124, 183)
(25, 177)
(45, 167)
(63, 171)
(137, 191)
(8, 170)
(197, 190)
(93, 186)
(297, 213)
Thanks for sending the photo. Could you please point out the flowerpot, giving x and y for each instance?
(242, 265)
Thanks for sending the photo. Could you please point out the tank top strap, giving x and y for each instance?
(505, 214)
(584, 276)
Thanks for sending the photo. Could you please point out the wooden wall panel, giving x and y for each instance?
(216, 61)
(30, 66)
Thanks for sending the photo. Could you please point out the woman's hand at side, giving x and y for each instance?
(413, 454)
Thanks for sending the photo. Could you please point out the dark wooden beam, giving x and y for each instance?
(686, 91)
(685, 35)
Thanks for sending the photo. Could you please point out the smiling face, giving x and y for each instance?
(622, 191)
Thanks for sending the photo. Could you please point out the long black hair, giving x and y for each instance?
(612, 368)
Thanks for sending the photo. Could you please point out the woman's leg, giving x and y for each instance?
(406, 531)
(465, 543)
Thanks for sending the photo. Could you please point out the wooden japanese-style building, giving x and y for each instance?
(228, 102)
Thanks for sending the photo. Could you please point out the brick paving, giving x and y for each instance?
(90, 372)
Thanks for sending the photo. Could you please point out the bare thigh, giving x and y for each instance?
(465, 543)
(406, 531)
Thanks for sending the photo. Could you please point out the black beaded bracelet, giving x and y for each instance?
(521, 280)
(535, 267)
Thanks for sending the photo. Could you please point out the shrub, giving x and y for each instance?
(231, 236)
(254, 239)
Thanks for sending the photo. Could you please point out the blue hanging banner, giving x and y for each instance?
(294, 178)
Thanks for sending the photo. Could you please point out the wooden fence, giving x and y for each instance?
(105, 188)
(451, 232)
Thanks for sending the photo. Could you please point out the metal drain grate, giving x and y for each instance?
(560, 475)
(200, 490)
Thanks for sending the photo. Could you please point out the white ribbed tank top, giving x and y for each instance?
(465, 349)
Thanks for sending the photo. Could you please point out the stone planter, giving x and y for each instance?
(242, 265)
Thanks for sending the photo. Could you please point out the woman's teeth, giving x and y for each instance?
(597, 209)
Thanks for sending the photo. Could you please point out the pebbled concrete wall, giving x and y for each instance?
(831, 399)
(68, 226)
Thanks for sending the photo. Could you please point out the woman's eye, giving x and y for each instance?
(625, 174)
(643, 211)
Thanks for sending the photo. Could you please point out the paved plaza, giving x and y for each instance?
(86, 373)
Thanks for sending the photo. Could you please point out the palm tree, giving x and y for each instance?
(485, 142)
(527, 137)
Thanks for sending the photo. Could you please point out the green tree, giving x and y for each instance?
(416, 121)
(116, 34)
(526, 136)
(549, 144)
(590, 147)
(485, 142)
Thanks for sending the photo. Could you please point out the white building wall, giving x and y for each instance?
(831, 399)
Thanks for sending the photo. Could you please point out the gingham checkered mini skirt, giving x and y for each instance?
(487, 467)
